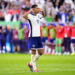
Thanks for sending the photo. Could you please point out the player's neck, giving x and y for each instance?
(34, 13)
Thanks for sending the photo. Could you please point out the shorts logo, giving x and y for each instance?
(33, 45)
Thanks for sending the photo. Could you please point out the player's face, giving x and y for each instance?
(43, 25)
(4, 27)
(58, 25)
(8, 28)
(36, 9)
(51, 26)
(25, 27)
(73, 25)
(67, 24)
(14, 27)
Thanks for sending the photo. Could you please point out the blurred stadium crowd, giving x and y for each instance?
(55, 10)
(55, 39)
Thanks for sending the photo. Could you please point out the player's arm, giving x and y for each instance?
(42, 12)
(26, 14)
(41, 31)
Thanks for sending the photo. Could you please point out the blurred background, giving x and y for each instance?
(14, 28)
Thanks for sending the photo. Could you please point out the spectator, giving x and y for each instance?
(63, 16)
(49, 18)
(21, 17)
(73, 39)
(67, 35)
(44, 36)
(9, 34)
(58, 41)
(57, 7)
(73, 16)
(40, 3)
(20, 38)
(4, 35)
(1, 39)
(7, 16)
(15, 16)
(71, 3)
(52, 35)
(1, 16)
(27, 6)
(15, 39)
(25, 40)
(50, 9)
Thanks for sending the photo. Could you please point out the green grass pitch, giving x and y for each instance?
(16, 64)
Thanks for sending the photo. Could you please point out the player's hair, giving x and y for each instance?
(34, 6)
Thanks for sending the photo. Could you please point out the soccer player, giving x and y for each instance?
(1, 36)
(15, 38)
(67, 40)
(44, 35)
(9, 34)
(34, 35)
(20, 37)
(58, 41)
(4, 33)
(52, 35)
(25, 40)
(73, 38)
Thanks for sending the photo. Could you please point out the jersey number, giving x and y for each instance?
(37, 21)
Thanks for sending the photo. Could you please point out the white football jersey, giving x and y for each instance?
(34, 21)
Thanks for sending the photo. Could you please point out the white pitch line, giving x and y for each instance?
(56, 65)
(43, 70)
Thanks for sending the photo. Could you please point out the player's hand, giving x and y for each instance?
(40, 9)
(31, 10)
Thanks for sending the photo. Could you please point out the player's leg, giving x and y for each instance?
(65, 46)
(56, 46)
(45, 47)
(39, 52)
(36, 56)
(49, 47)
(53, 46)
(1, 45)
(4, 45)
(72, 46)
(60, 48)
(18, 45)
(69, 45)
(14, 46)
(53, 49)
(32, 46)
(32, 64)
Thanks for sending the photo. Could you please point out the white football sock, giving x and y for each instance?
(53, 51)
(37, 55)
(49, 50)
(32, 59)
(35, 58)
(72, 48)
(33, 63)
(46, 48)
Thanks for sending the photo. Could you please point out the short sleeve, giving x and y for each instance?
(30, 16)
(42, 20)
